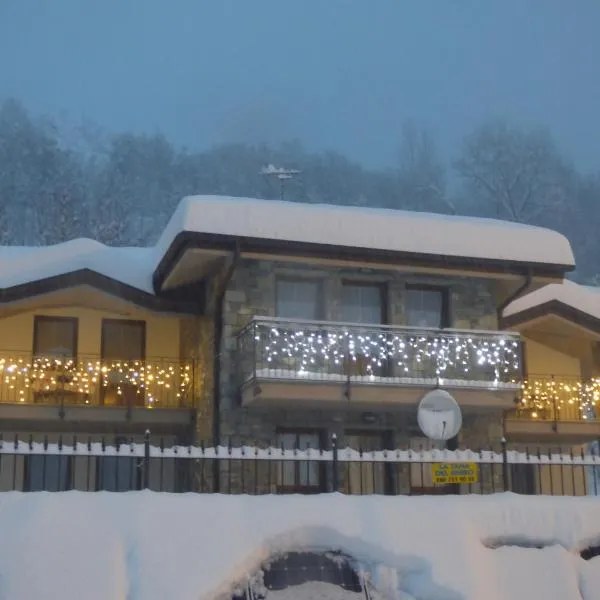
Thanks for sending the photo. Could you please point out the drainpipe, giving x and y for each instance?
(519, 291)
(217, 344)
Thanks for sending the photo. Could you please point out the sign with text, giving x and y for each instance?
(449, 473)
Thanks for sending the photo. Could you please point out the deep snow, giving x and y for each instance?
(149, 546)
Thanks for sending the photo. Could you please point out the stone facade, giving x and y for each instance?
(251, 292)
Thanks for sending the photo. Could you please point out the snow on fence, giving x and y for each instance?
(96, 465)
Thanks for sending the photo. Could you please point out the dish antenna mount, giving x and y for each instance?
(439, 415)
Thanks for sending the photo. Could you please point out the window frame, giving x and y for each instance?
(381, 286)
(444, 291)
(38, 320)
(320, 299)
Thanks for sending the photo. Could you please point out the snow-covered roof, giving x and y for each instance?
(337, 226)
(369, 228)
(583, 298)
(24, 264)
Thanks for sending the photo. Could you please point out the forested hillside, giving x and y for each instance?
(58, 181)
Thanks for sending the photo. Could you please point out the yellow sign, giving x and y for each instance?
(448, 473)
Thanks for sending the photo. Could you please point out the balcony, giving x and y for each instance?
(314, 363)
(91, 389)
(566, 410)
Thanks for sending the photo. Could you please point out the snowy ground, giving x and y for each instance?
(149, 546)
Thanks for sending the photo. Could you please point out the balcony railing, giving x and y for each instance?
(318, 351)
(559, 399)
(92, 381)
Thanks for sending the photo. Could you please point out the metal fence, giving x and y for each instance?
(97, 465)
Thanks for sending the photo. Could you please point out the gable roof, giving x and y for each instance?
(217, 221)
(27, 271)
(570, 300)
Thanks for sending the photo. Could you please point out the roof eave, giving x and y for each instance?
(101, 282)
(552, 307)
(194, 240)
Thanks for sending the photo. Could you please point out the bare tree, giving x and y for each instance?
(422, 177)
(519, 173)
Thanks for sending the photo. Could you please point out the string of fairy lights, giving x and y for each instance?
(437, 355)
(560, 399)
(154, 381)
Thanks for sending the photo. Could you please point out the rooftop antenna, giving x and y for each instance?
(279, 173)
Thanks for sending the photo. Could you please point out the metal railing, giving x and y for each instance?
(559, 399)
(89, 380)
(272, 348)
(95, 465)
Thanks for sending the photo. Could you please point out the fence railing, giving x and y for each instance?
(284, 349)
(559, 399)
(90, 380)
(95, 465)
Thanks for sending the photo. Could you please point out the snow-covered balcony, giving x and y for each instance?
(314, 363)
(557, 407)
(90, 388)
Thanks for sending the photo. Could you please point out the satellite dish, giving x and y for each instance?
(439, 415)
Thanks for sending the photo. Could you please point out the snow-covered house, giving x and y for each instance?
(264, 322)
(560, 329)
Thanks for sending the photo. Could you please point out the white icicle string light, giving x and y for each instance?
(435, 353)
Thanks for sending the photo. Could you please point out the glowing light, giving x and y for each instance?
(452, 355)
(84, 376)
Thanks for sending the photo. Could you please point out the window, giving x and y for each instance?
(47, 472)
(299, 475)
(427, 307)
(298, 299)
(298, 568)
(363, 303)
(305, 574)
(55, 337)
(123, 341)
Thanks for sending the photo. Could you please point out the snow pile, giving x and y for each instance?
(584, 298)
(373, 228)
(151, 546)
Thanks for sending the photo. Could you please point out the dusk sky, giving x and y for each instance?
(337, 74)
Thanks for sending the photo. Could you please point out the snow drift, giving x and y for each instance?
(149, 546)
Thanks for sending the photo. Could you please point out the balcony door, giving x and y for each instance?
(54, 351)
(364, 304)
(299, 299)
(123, 351)
(427, 306)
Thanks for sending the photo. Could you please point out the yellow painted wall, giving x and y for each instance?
(162, 333)
(542, 360)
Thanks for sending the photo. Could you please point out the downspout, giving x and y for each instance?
(520, 290)
(219, 310)
(500, 310)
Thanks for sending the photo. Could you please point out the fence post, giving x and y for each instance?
(334, 451)
(504, 464)
(146, 461)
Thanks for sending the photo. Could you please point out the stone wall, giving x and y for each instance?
(251, 292)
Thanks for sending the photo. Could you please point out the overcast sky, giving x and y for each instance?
(339, 74)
